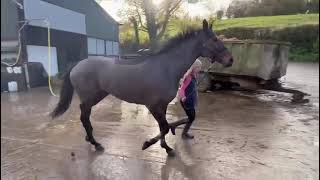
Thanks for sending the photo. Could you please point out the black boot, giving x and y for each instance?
(185, 134)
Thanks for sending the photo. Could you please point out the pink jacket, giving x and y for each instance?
(185, 84)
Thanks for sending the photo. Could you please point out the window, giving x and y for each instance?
(92, 46)
(99, 47)
(96, 47)
(109, 48)
(115, 48)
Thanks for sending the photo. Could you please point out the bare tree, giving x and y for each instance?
(134, 22)
(151, 17)
(220, 14)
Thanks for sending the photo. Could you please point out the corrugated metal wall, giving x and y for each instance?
(60, 18)
(9, 18)
(98, 23)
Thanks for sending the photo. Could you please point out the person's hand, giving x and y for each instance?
(180, 97)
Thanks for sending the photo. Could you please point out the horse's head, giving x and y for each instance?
(213, 47)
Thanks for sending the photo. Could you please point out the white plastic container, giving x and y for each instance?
(12, 86)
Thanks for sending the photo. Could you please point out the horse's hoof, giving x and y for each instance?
(145, 145)
(300, 101)
(187, 136)
(99, 148)
(171, 153)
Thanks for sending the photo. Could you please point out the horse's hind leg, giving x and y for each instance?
(85, 108)
(159, 113)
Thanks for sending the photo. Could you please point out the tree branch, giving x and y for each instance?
(164, 27)
(143, 29)
(169, 12)
(140, 19)
(175, 7)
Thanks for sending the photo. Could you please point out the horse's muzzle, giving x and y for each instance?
(229, 64)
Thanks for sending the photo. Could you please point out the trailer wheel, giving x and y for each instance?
(204, 81)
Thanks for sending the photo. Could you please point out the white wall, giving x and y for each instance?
(59, 18)
(40, 54)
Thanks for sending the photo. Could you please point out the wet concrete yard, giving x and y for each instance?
(238, 135)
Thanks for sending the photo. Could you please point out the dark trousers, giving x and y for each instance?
(191, 113)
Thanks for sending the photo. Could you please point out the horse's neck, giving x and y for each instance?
(183, 56)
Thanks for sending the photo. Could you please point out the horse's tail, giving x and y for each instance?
(66, 94)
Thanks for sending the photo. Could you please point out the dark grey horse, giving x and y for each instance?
(152, 82)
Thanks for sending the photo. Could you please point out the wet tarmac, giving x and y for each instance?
(238, 135)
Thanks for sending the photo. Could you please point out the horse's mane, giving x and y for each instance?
(171, 43)
(176, 40)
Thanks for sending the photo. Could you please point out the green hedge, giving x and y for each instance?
(300, 36)
(304, 39)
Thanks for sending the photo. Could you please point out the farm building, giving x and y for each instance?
(77, 29)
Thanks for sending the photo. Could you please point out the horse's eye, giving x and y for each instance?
(214, 39)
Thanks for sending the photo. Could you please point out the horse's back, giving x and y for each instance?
(91, 66)
(85, 76)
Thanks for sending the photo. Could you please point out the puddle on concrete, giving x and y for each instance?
(237, 136)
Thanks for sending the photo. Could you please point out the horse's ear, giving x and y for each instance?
(205, 24)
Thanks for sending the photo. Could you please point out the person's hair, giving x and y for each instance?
(197, 63)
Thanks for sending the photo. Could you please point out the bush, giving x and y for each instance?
(299, 36)
(302, 31)
(302, 36)
(303, 55)
(304, 39)
(252, 8)
(316, 46)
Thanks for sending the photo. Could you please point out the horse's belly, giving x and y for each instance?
(131, 94)
(136, 86)
(131, 99)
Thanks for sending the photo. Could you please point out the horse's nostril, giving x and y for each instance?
(230, 63)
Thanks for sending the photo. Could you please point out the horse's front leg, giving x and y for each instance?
(159, 113)
(151, 141)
